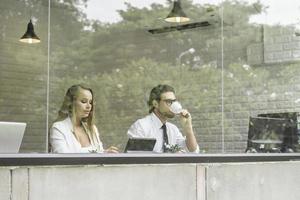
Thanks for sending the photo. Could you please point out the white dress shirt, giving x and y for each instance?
(150, 127)
(63, 140)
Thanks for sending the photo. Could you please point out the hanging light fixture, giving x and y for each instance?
(30, 36)
(177, 14)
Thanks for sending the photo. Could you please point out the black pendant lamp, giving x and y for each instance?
(30, 37)
(177, 14)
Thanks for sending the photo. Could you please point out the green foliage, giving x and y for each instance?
(122, 62)
(121, 96)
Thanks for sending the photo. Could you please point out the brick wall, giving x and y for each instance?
(23, 97)
(280, 45)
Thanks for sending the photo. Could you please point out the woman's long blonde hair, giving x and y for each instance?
(68, 109)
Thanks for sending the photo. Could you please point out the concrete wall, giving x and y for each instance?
(238, 181)
(256, 181)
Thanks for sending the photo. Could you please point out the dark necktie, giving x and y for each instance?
(165, 137)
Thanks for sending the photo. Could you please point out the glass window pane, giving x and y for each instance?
(261, 65)
(123, 54)
(23, 70)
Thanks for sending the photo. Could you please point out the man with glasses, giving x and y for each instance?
(156, 125)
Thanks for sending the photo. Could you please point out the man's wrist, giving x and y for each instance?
(188, 129)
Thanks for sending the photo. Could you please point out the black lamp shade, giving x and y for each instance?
(177, 14)
(30, 36)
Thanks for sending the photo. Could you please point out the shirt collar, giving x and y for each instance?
(69, 123)
(156, 121)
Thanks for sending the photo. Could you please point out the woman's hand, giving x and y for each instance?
(111, 149)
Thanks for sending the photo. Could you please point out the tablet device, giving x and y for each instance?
(11, 135)
(140, 145)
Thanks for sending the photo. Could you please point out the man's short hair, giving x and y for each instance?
(155, 94)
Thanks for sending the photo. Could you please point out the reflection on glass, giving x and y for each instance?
(261, 62)
(254, 47)
(23, 71)
(122, 61)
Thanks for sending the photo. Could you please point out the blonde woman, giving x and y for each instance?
(74, 130)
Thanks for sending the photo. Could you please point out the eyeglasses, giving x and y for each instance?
(169, 101)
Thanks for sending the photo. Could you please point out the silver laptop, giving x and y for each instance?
(11, 135)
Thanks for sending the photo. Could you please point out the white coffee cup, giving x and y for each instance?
(176, 108)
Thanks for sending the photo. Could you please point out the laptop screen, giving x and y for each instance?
(11, 135)
(266, 132)
(140, 145)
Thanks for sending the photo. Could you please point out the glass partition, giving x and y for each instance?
(261, 69)
(232, 61)
(122, 60)
(23, 77)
